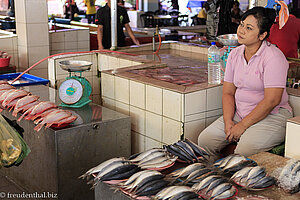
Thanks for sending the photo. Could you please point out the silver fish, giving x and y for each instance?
(164, 192)
(145, 154)
(226, 194)
(205, 182)
(177, 190)
(233, 161)
(266, 181)
(241, 174)
(190, 168)
(142, 176)
(152, 156)
(255, 171)
(215, 183)
(221, 163)
(295, 169)
(256, 179)
(159, 165)
(220, 189)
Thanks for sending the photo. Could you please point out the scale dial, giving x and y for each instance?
(70, 91)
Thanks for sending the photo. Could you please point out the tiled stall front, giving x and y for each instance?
(9, 44)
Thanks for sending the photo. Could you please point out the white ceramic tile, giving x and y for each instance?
(214, 113)
(96, 85)
(122, 89)
(102, 62)
(83, 35)
(15, 43)
(125, 63)
(137, 94)
(108, 85)
(172, 130)
(194, 117)
(22, 33)
(295, 104)
(108, 103)
(57, 36)
(122, 108)
(36, 11)
(113, 62)
(71, 45)
(292, 149)
(214, 98)
(154, 126)
(185, 47)
(154, 99)
(51, 69)
(172, 104)
(6, 44)
(135, 63)
(43, 73)
(94, 68)
(23, 58)
(84, 45)
(137, 119)
(150, 143)
(71, 36)
(37, 34)
(195, 102)
(193, 129)
(20, 11)
(37, 53)
(57, 46)
(137, 143)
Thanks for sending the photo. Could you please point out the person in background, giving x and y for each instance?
(236, 15)
(11, 8)
(70, 9)
(103, 19)
(255, 109)
(212, 18)
(224, 25)
(121, 3)
(287, 39)
(201, 17)
(91, 10)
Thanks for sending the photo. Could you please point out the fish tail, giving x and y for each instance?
(38, 127)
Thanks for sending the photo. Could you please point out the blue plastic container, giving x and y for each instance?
(26, 79)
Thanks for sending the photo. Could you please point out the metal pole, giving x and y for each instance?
(113, 11)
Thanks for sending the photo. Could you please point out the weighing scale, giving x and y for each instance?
(74, 92)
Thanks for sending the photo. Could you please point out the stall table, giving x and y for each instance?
(59, 157)
(273, 163)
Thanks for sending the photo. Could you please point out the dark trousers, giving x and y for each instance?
(91, 18)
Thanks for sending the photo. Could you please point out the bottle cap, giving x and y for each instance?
(213, 43)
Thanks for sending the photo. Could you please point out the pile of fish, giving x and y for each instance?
(253, 178)
(112, 169)
(44, 113)
(233, 163)
(177, 192)
(187, 151)
(155, 158)
(289, 178)
(144, 183)
(193, 173)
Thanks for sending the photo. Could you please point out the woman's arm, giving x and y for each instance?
(228, 103)
(130, 33)
(272, 98)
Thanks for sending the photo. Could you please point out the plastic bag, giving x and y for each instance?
(13, 148)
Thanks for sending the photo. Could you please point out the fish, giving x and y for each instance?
(172, 150)
(39, 117)
(215, 184)
(132, 178)
(188, 149)
(226, 194)
(220, 189)
(6, 87)
(159, 165)
(256, 179)
(5, 94)
(152, 187)
(187, 170)
(3, 82)
(154, 160)
(255, 171)
(23, 102)
(185, 196)
(233, 161)
(52, 118)
(265, 182)
(66, 120)
(176, 190)
(145, 154)
(39, 108)
(28, 106)
(241, 174)
(222, 162)
(164, 192)
(152, 156)
(205, 182)
(139, 179)
(14, 95)
(197, 149)
(147, 180)
(101, 166)
(238, 166)
(183, 152)
(196, 174)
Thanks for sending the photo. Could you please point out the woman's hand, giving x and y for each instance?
(236, 132)
(136, 42)
(228, 126)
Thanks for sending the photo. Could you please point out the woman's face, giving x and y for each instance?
(248, 31)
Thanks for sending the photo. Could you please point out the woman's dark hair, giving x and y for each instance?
(236, 3)
(265, 18)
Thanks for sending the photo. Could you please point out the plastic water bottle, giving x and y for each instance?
(214, 64)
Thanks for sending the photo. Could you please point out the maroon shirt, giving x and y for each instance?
(287, 38)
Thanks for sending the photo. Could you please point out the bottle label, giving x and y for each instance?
(213, 58)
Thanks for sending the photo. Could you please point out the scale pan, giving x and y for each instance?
(228, 39)
(75, 65)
